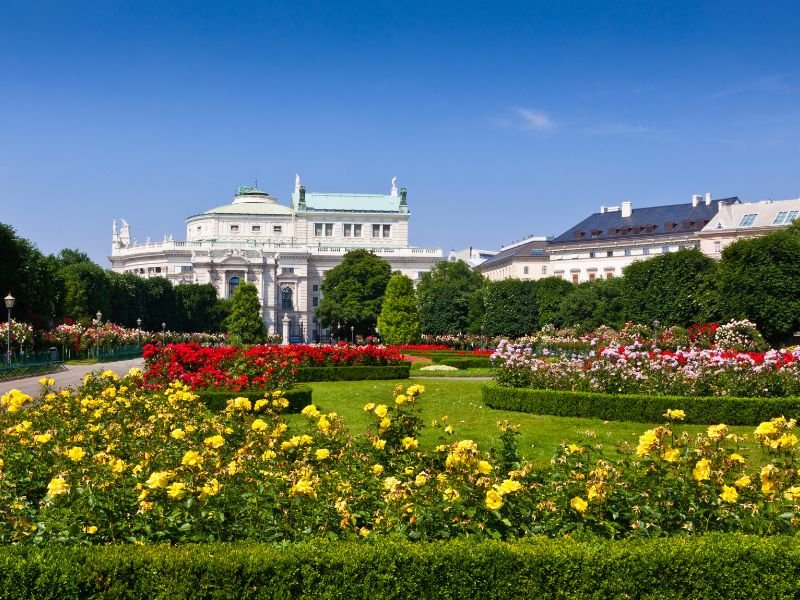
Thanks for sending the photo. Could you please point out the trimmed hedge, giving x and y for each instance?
(703, 567)
(465, 362)
(399, 371)
(299, 397)
(639, 408)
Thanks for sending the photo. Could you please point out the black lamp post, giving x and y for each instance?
(9, 300)
(139, 332)
(163, 334)
(352, 334)
(99, 316)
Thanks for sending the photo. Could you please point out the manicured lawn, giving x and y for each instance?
(461, 402)
(486, 372)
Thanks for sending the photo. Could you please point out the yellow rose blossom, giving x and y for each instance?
(717, 432)
(377, 469)
(192, 459)
(369, 407)
(303, 488)
(409, 443)
(647, 442)
(43, 438)
(672, 454)
(399, 400)
(176, 490)
(260, 404)
(391, 483)
(90, 529)
(729, 494)
(233, 468)
(76, 453)
(579, 505)
(323, 424)
(310, 411)
(787, 440)
(702, 470)
(57, 487)
(210, 488)
(177, 434)
(363, 532)
(379, 444)
(509, 486)
(449, 430)
(380, 410)
(769, 475)
(743, 481)
(14, 400)
(268, 454)
(259, 425)
(385, 423)
(736, 458)
(793, 493)
(322, 453)
(484, 467)
(158, 479)
(420, 480)
(675, 415)
(493, 500)
(23, 426)
(575, 449)
(215, 441)
(451, 495)
(595, 492)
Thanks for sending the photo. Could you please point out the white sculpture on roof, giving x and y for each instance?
(296, 183)
(394, 187)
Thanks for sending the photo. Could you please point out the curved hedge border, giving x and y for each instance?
(399, 371)
(639, 408)
(706, 567)
(465, 362)
(299, 397)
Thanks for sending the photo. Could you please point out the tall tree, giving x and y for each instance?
(352, 292)
(510, 306)
(160, 304)
(87, 290)
(447, 298)
(591, 304)
(196, 307)
(398, 322)
(550, 291)
(244, 324)
(128, 298)
(759, 279)
(667, 288)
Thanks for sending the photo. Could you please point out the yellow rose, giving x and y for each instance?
(675, 415)
(729, 494)
(484, 467)
(743, 481)
(380, 410)
(177, 490)
(259, 425)
(158, 479)
(90, 529)
(177, 434)
(215, 441)
(379, 444)
(76, 453)
(493, 500)
(702, 470)
(377, 469)
(310, 411)
(57, 486)
(192, 459)
(409, 443)
(508, 486)
(322, 453)
(672, 454)
(42, 439)
(579, 505)
(420, 480)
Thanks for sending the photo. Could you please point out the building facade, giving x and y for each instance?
(284, 251)
(526, 259)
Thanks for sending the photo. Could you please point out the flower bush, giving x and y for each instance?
(113, 462)
(638, 369)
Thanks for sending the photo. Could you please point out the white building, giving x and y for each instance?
(472, 256)
(284, 250)
(525, 259)
(752, 219)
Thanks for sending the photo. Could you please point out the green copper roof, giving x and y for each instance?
(320, 202)
(251, 208)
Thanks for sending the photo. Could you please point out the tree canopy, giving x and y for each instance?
(510, 308)
(398, 322)
(352, 292)
(447, 298)
(244, 324)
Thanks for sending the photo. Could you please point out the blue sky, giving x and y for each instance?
(502, 119)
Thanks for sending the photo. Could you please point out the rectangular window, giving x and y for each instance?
(780, 218)
(186, 268)
(544, 269)
(665, 249)
(717, 247)
(376, 231)
(610, 253)
(387, 231)
(574, 278)
(234, 229)
(328, 229)
(627, 251)
(592, 254)
(792, 216)
(318, 229)
(314, 301)
(347, 230)
(645, 251)
(277, 229)
(609, 275)
(199, 229)
(748, 220)
(591, 276)
(356, 230)
(287, 270)
(525, 270)
(256, 229)
(158, 269)
(315, 287)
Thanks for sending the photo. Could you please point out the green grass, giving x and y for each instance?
(82, 361)
(461, 402)
(487, 372)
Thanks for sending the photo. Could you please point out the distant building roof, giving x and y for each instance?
(625, 222)
(767, 213)
(535, 249)
(324, 202)
(249, 201)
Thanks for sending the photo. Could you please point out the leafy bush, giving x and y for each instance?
(216, 400)
(640, 408)
(400, 371)
(465, 362)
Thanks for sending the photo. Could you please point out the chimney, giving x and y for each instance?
(696, 198)
(602, 210)
(708, 198)
(627, 209)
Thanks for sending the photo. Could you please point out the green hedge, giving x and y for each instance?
(703, 567)
(639, 408)
(399, 371)
(299, 397)
(466, 362)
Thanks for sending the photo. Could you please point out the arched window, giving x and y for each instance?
(286, 304)
(233, 283)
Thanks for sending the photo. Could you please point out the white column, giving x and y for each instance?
(285, 340)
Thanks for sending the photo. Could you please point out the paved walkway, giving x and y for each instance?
(72, 376)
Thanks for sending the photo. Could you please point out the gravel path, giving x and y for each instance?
(72, 376)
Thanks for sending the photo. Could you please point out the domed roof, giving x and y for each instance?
(249, 201)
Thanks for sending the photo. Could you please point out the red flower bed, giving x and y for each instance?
(262, 367)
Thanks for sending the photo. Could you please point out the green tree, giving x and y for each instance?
(244, 324)
(352, 292)
(160, 304)
(398, 322)
(196, 307)
(447, 299)
(87, 290)
(510, 306)
(759, 279)
(128, 298)
(550, 291)
(667, 288)
(591, 304)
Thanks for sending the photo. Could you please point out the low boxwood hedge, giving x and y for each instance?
(703, 567)
(639, 408)
(299, 397)
(466, 362)
(398, 371)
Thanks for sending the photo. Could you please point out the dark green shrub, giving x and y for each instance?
(299, 397)
(639, 408)
(463, 362)
(399, 371)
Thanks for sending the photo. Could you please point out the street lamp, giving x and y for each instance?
(9, 300)
(139, 332)
(352, 334)
(163, 334)
(656, 325)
